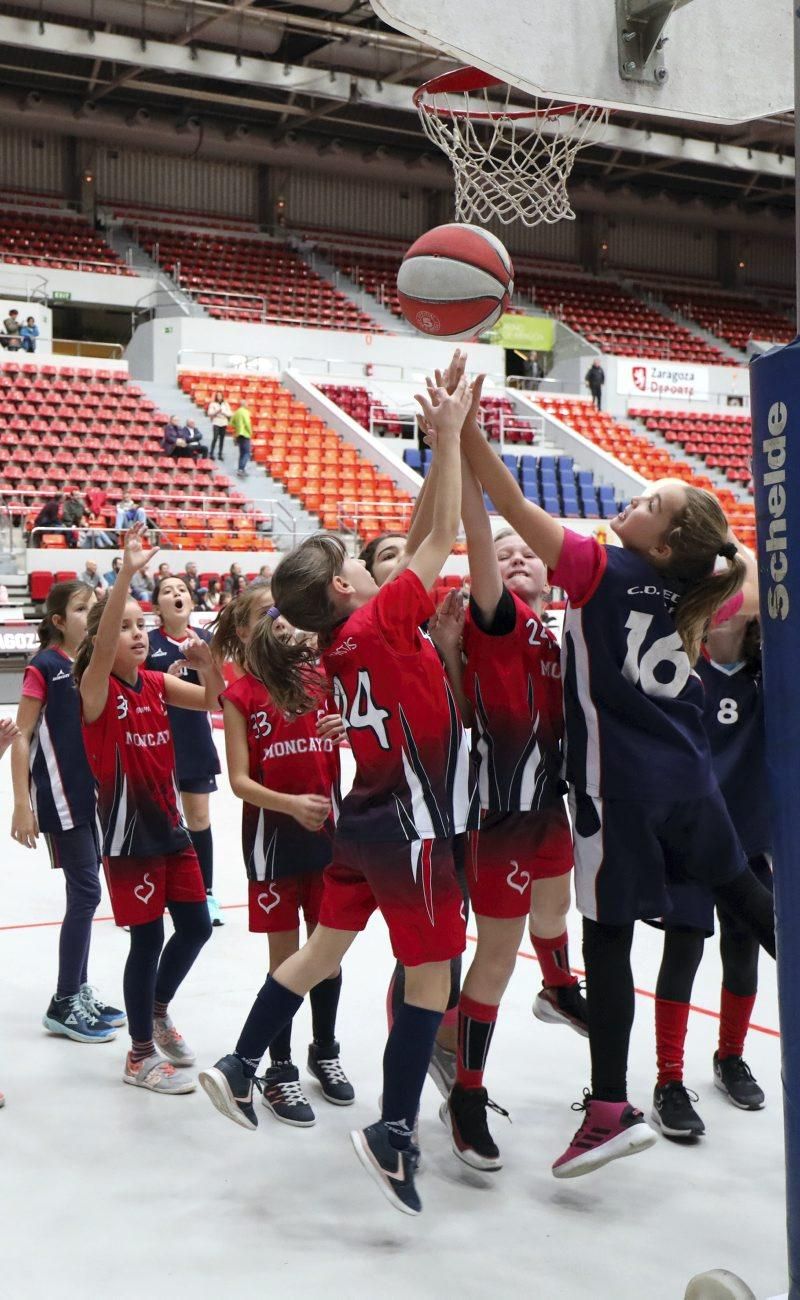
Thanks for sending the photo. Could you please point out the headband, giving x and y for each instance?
(727, 550)
(274, 612)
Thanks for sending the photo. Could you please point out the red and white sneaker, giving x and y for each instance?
(172, 1042)
(610, 1130)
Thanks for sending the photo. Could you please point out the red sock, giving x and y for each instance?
(553, 957)
(734, 1022)
(476, 1022)
(672, 1019)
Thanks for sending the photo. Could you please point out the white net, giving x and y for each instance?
(510, 164)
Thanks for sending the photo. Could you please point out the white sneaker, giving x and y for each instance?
(172, 1043)
(157, 1075)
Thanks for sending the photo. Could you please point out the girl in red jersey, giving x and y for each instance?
(148, 856)
(411, 793)
(521, 859)
(287, 775)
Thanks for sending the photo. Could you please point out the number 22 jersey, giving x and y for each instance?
(413, 779)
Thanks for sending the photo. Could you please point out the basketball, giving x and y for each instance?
(455, 282)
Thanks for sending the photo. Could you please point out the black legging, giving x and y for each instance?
(152, 975)
(683, 952)
(218, 438)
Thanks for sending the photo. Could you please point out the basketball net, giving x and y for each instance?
(509, 163)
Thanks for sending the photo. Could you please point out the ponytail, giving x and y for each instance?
(58, 598)
(697, 537)
(84, 656)
(286, 668)
(232, 619)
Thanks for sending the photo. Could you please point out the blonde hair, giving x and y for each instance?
(232, 620)
(697, 535)
(301, 591)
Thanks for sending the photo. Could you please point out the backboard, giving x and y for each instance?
(719, 61)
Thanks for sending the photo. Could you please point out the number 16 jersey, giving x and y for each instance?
(413, 779)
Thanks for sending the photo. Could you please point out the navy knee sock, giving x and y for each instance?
(405, 1064)
(280, 1049)
(203, 842)
(324, 999)
(274, 1007)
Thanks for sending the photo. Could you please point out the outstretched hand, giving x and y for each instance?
(446, 628)
(136, 555)
(196, 656)
(443, 412)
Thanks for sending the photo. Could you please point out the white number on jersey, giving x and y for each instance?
(728, 711)
(260, 724)
(122, 707)
(641, 668)
(363, 712)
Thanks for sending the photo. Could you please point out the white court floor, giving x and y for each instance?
(106, 1190)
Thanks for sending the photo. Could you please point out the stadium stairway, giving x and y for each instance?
(290, 521)
(366, 302)
(714, 341)
(170, 296)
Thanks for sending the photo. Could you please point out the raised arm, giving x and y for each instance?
(444, 414)
(94, 683)
(422, 514)
(486, 585)
(543, 534)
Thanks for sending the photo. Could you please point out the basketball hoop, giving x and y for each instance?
(511, 163)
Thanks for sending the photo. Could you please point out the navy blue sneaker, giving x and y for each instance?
(69, 1018)
(101, 1010)
(231, 1090)
(391, 1169)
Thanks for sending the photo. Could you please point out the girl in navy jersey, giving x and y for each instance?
(733, 716)
(411, 793)
(196, 755)
(644, 801)
(148, 856)
(509, 689)
(54, 795)
(288, 777)
(8, 734)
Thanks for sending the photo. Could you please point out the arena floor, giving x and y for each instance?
(106, 1189)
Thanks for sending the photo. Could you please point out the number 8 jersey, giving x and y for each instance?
(413, 779)
(633, 705)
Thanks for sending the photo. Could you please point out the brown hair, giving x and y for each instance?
(697, 535)
(58, 598)
(172, 577)
(233, 618)
(369, 552)
(301, 591)
(84, 656)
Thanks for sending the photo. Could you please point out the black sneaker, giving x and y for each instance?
(284, 1096)
(674, 1113)
(391, 1169)
(464, 1112)
(325, 1067)
(562, 1005)
(733, 1076)
(231, 1090)
(71, 1018)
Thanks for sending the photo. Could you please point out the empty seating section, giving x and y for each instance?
(614, 321)
(61, 427)
(639, 453)
(329, 476)
(144, 213)
(373, 270)
(735, 319)
(251, 279)
(498, 415)
(57, 241)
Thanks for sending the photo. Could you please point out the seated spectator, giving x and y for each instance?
(211, 599)
(128, 512)
(11, 337)
(142, 586)
(194, 441)
(174, 439)
(91, 577)
(164, 571)
(29, 333)
(111, 577)
(264, 574)
(72, 516)
(97, 500)
(239, 585)
(190, 575)
(233, 573)
(49, 518)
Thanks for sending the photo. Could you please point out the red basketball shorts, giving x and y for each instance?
(509, 852)
(140, 888)
(275, 905)
(413, 886)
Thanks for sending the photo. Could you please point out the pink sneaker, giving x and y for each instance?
(610, 1129)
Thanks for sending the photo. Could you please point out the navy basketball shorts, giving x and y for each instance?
(692, 904)
(414, 886)
(629, 855)
(197, 785)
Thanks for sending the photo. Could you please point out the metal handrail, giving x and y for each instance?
(75, 348)
(237, 361)
(76, 263)
(36, 295)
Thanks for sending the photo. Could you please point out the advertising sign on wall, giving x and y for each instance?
(671, 379)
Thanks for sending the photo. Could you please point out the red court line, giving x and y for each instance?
(528, 956)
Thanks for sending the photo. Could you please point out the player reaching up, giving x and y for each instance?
(288, 777)
(410, 795)
(644, 801)
(148, 855)
(54, 794)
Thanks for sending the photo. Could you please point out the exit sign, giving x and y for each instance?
(61, 295)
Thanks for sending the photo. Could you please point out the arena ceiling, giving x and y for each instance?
(326, 73)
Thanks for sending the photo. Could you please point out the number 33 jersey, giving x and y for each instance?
(632, 702)
(413, 779)
(130, 752)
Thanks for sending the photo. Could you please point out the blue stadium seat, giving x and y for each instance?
(412, 458)
(510, 462)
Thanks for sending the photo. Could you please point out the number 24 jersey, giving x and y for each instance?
(413, 779)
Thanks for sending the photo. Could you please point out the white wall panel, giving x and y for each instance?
(349, 203)
(224, 189)
(646, 245)
(31, 161)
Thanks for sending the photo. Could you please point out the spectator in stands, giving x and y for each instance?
(72, 517)
(174, 439)
(239, 585)
(142, 586)
(194, 441)
(164, 571)
(595, 378)
(111, 577)
(234, 572)
(29, 333)
(12, 337)
(128, 512)
(192, 579)
(211, 599)
(243, 432)
(264, 574)
(219, 413)
(97, 500)
(91, 578)
(49, 517)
